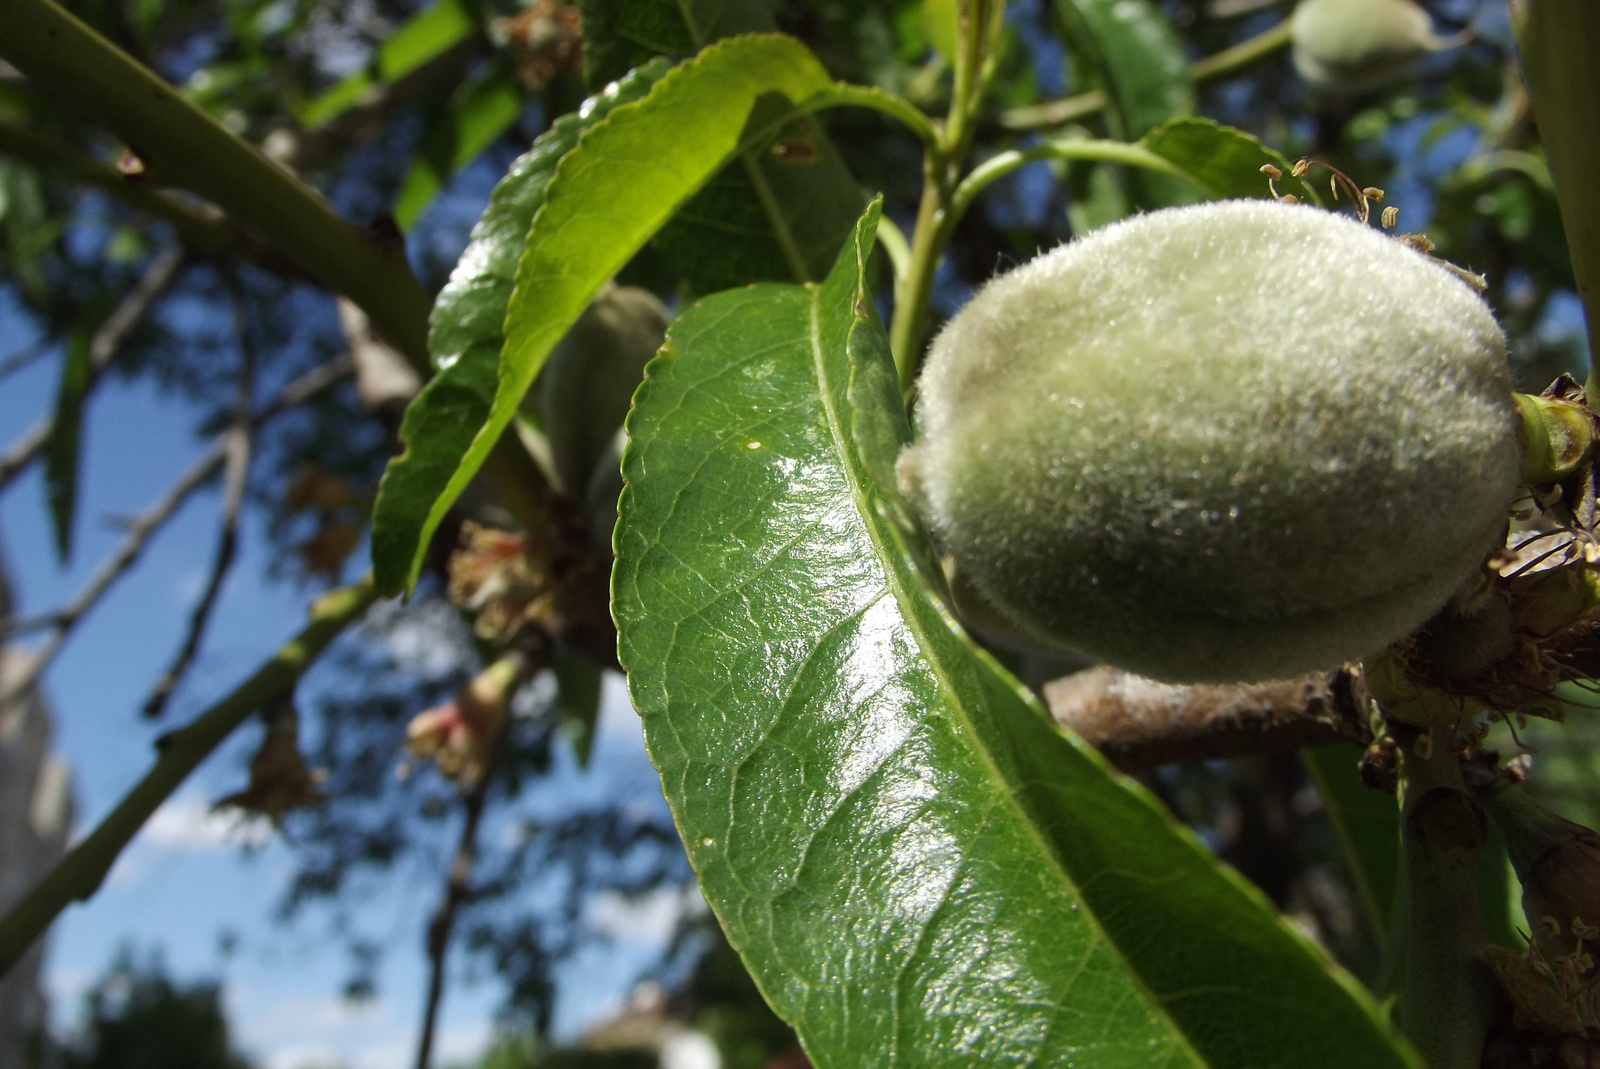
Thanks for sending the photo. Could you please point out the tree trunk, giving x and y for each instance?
(35, 820)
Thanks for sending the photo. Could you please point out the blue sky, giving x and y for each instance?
(191, 876)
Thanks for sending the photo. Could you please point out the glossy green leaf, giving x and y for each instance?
(476, 115)
(1137, 55)
(619, 35)
(1139, 60)
(779, 212)
(917, 867)
(66, 434)
(1222, 160)
(782, 210)
(466, 336)
(418, 40)
(1366, 826)
(628, 174)
(578, 681)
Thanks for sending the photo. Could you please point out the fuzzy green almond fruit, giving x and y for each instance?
(1222, 443)
(1345, 47)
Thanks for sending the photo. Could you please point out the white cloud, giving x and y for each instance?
(690, 1050)
(189, 824)
(426, 637)
(650, 919)
(387, 1043)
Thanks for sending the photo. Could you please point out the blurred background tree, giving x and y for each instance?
(403, 114)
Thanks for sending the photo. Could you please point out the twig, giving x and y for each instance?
(1139, 724)
(79, 874)
(457, 889)
(103, 349)
(311, 149)
(1218, 65)
(204, 229)
(147, 523)
(24, 356)
(236, 468)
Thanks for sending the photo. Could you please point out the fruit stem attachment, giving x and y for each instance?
(1556, 438)
(1449, 995)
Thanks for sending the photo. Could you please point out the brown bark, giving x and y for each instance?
(1140, 724)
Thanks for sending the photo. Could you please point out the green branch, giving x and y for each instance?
(979, 23)
(79, 874)
(1557, 41)
(203, 234)
(181, 145)
(1449, 994)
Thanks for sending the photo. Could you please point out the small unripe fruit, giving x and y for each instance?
(1222, 443)
(587, 384)
(1344, 47)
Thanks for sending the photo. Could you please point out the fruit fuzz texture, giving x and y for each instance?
(1230, 442)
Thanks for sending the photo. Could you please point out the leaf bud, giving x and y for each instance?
(587, 385)
(1558, 864)
(1222, 443)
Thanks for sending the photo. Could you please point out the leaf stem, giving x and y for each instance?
(79, 874)
(890, 104)
(1002, 164)
(916, 286)
(179, 144)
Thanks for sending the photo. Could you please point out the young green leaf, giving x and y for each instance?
(618, 37)
(1223, 161)
(1366, 827)
(480, 111)
(1138, 56)
(578, 682)
(780, 211)
(1140, 62)
(918, 869)
(628, 174)
(419, 39)
(467, 333)
(66, 434)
